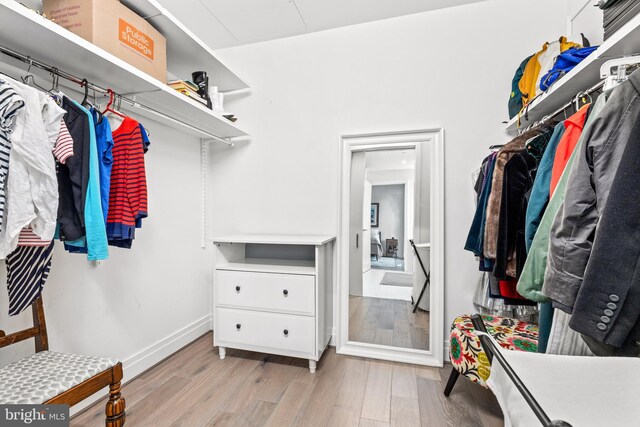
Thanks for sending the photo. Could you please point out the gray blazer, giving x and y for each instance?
(607, 308)
(571, 236)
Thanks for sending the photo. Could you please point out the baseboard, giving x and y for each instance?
(332, 341)
(152, 355)
(447, 349)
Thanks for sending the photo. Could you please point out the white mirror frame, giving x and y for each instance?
(410, 139)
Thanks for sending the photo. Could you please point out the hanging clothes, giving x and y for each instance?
(10, 105)
(564, 340)
(128, 195)
(95, 241)
(545, 322)
(574, 126)
(495, 197)
(485, 303)
(532, 277)
(519, 175)
(571, 236)
(73, 176)
(27, 272)
(539, 196)
(145, 139)
(104, 141)
(32, 189)
(62, 151)
(476, 232)
(607, 306)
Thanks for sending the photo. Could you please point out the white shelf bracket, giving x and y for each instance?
(204, 166)
(226, 141)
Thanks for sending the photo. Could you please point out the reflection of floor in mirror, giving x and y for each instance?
(388, 322)
(372, 287)
(388, 263)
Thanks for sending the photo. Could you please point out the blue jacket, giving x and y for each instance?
(475, 239)
(541, 186)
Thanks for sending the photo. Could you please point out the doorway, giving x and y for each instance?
(388, 205)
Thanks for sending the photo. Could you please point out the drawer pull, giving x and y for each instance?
(285, 292)
(238, 326)
(237, 288)
(286, 332)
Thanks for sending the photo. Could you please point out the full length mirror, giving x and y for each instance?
(391, 305)
(387, 305)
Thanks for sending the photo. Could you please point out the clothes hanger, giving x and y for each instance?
(29, 79)
(614, 71)
(111, 100)
(54, 81)
(85, 84)
(55, 92)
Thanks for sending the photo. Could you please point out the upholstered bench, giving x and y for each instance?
(466, 353)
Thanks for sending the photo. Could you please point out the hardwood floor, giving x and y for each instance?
(388, 322)
(195, 388)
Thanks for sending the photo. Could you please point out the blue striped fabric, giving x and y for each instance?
(27, 272)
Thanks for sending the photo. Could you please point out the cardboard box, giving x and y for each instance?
(116, 29)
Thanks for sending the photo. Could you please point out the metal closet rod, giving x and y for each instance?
(94, 87)
(570, 103)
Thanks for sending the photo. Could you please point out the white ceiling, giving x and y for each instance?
(226, 23)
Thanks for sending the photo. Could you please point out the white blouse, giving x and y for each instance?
(32, 185)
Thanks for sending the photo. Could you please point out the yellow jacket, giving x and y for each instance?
(530, 82)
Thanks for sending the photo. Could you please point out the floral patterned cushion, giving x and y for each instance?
(467, 355)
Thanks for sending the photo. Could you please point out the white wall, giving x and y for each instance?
(391, 213)
(141, 304)
(450, 68)
(583, 17)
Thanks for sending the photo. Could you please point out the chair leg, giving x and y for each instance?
(451, 382)
(115, 409)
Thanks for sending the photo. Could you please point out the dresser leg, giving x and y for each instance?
(222, 351)
(312, 366)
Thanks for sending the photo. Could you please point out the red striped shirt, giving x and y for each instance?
(128, 193)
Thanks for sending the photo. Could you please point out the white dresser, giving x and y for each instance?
(274, 294)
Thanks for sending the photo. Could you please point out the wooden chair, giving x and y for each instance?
(71, 387)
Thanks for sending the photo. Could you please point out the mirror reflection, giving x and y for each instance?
(389, 263)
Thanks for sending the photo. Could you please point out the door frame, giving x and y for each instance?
(416, 200)
(416, 139)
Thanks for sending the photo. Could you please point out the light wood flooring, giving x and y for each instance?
(195, 388)
(388, 322)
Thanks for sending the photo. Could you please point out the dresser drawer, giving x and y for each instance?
(286, 293)
(266, 330)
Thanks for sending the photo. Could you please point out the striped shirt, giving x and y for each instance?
(27, 273)
(128, 189)
(10, 105)
(62, 151)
